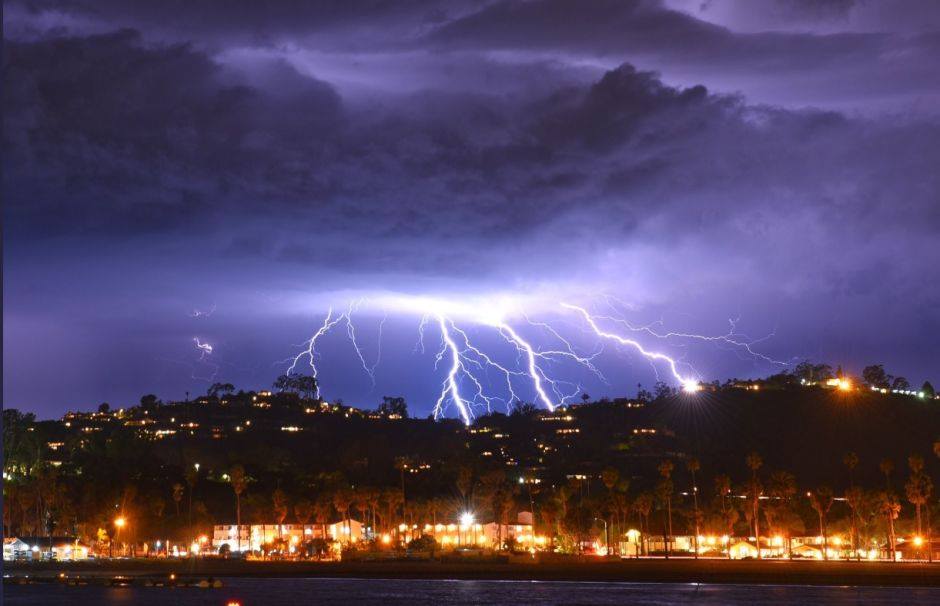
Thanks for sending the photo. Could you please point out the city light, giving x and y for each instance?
(119, 522)
(466, 519)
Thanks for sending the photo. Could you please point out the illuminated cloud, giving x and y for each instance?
(279, 163)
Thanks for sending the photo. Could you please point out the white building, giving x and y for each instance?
(44, 548)
(468, 533)
(15, 549)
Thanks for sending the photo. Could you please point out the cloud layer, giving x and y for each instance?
(266, 160)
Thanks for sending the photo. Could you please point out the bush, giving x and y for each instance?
(424, 543)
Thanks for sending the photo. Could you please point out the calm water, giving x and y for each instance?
(254, 592)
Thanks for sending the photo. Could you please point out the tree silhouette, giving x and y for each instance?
(643, 505)
(239, 482)
(664, 490)
(890, 507)
(693, 466)
(754, 463)
(821, 500)
(918, 488)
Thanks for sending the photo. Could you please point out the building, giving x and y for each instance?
(468, 533)
(45, 548)
(255, 536)
(15, 548)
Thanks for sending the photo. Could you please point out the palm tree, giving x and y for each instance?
(693, 466)
(323, 509)
(918, 488)
(643, 505)
(822, 500)
(280, 508)
(177, 496)
(886, 466)
(402, 464)
(850, 460)
(192, 478)
(728, 513)
(391, 498)
(890, 507)
(464, 484)
(494, 488)
(239, 482)
(610, 476)
(664, 491)
(371, 498)
(622, 505)
(855, 498)
(550, 512)
(754, 462)
(304, 510)
(782, 489)
(341, 501)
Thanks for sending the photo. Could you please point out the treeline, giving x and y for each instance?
(784, 461)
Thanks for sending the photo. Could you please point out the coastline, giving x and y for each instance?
(707, 571)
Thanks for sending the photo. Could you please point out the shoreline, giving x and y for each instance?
(718, 571)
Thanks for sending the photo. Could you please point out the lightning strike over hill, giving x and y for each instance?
(472, 360)
(688, 383)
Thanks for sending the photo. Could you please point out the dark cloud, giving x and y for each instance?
(471, 149)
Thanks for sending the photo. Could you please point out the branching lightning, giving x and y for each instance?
(688, 383)
(470, 368)
(450, 382)
(310, 353)
(732, 337)
(310, 347)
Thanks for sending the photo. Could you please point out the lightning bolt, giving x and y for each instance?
(468, 380)
(450, 382)
(351, 333)
(731, 337)
(687, 383)
(204, 348)
(310, 345)
(535, 371)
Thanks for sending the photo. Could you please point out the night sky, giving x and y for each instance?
(176, 170)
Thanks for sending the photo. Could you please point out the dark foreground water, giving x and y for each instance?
(294, 592)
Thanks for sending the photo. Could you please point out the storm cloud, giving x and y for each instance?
(157, 158)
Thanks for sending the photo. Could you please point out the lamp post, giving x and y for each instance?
(119, 523)
(467, 520)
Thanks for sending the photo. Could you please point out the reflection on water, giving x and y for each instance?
(254, 592)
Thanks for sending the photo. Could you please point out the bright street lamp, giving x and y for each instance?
(119, 523)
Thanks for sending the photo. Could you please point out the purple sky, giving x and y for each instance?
(686, 161)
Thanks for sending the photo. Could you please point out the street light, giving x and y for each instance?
(467, 520)
(119, 523)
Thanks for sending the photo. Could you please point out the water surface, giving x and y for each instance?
(379, 592)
